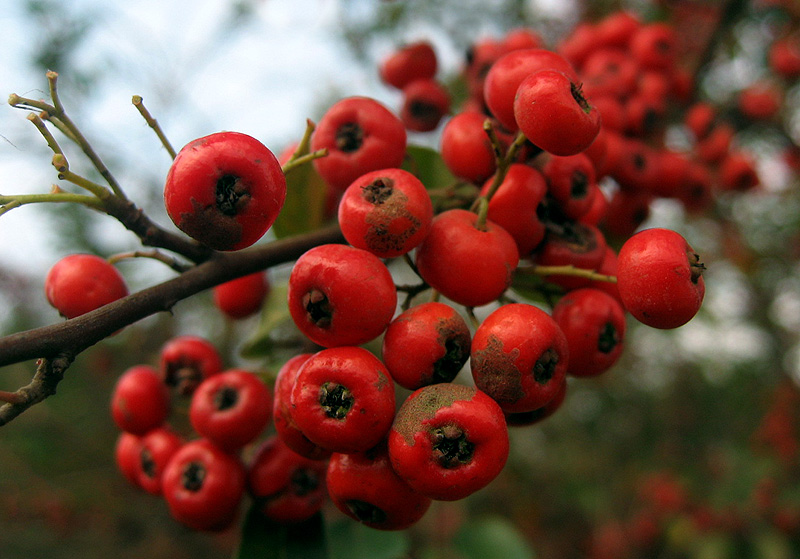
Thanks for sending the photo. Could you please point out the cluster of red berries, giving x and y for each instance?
(539, 131)
(202, 475)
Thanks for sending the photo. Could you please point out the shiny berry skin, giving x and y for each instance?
(570, 180)
(573, 244)
(231, 409)
(660, 278)
(242, 297)
(186, 360)
(225, 190)
(287, 487)
(140, 402)
(427, 344)
(341, 295)
(285, 426)
(519, 357)
(553, 113)
(594, 324)
(203, 486)
(410, 62)
(448, 441)
(361, 135)
(515, 204)
(156, 448)
(365, 487)
(469, 265)
(425, 103)
(523, 419)
(466, 149)
(508, 72)
(387, 212)
(80, 283)
(126, 456)
(343, 399)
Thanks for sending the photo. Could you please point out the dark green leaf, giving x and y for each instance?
(304, 208)
(264, 539)
(351, 540)
(492, 538)
(427, 165)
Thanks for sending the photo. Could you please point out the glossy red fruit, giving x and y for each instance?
(570, 180)
(365, 487)
(156, 448)
(361, 135)
(225, 190)
(519, 357)
(515, 204)
(448, 441)
(80, 283)
(387, 212)
(286, 487)
(231, 408)
(341, 295)
(466, 149)
(508, 72)
(660, 278)
(594, 324)
(203, 486)
(466, 264)
(186, 360)
(410, 62)
(553, 113)
(140, 402)
(126, 456)
(573, 244)
(425, 103)
(343, 399)
(524, 419)
(243, 296)
(427, 344)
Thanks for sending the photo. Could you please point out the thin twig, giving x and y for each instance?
(153, 123)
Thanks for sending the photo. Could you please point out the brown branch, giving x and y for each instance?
(58, 344)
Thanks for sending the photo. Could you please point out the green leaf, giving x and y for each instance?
(276, 338)
(427, 165)
(262, 538)
(350, 540)
(492, 537)
(304, 208)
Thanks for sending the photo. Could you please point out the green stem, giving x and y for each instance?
(303, 159)
(48, 137)
(61, 165)
(173, 263)
(61, 197)
(153, 124)
(568, 270)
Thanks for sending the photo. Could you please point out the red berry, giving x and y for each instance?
(660, 278)
(126, 456)
(426, 344)
(243, 296)
(523, 419)
(784, 57)
(411, 62)
(466, 148)
(467, 264)
(515, 204)
(361, 135)
(505, 76)
(343, 399)
(186, 360)
(225, 190)
(570, 180)
(519, 357)
(203, 486)
(654, 46)
(387, 212)
(425, 103)
(231, 408)
(287, 487)
(594, 324)
(365, 487)
(80, 283)
(573, 244)
(341, 295)
(155, 451)
(553, 113)
(448, 441)
(285, 426)
(140, 402)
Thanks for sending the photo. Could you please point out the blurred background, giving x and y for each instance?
(687, 448)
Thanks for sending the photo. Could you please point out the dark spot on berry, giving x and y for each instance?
(336, 400)
(318, 309)
(495, 372)
(304, 481)
(451, 447)
(577, 94)
(147, 463)
(579, 185)
(349, 137)
(193, 476)
(545, 366)
(608, 339)
(225, 398)
(378, 191)
(366, 512)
